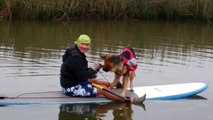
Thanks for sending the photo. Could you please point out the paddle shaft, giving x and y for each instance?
(109, 91)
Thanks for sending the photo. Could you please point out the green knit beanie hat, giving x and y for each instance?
(83, 38)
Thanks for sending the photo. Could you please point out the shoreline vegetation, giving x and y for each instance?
(65, 10)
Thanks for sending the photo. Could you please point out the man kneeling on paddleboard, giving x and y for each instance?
(78, 80)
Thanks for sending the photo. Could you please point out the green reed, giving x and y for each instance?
(107, 9)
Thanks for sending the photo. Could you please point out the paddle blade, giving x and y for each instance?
(98, 86)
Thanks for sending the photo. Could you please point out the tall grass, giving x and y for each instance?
(107, 9)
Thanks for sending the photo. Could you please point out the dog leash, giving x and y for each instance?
(105, 78)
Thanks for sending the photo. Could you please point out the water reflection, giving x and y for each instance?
(152, 40)
(118, 110)
(161, 47)
(167, 52)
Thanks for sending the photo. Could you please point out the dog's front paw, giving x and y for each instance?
(123, 94)
(131, 90)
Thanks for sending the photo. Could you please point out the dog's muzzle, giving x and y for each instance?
(105, 69)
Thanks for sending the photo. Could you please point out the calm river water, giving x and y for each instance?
(168, 53)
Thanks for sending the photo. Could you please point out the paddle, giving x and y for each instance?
(136, 100)
(109, 91)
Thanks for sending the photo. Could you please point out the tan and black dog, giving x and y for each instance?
(123, 65)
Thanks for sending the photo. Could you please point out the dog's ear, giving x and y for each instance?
(103, 56)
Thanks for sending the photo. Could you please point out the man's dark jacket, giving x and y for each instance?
(74, 69)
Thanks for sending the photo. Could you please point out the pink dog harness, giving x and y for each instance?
(129, 58)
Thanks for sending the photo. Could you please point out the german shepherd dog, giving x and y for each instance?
(123, 65)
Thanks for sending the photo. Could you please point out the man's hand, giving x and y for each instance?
(96, 66)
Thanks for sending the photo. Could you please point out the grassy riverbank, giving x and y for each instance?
(106, 9)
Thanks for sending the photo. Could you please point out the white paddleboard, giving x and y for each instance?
(156, 92)
(171, 91)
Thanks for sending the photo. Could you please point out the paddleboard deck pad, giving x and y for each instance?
(156, 92)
